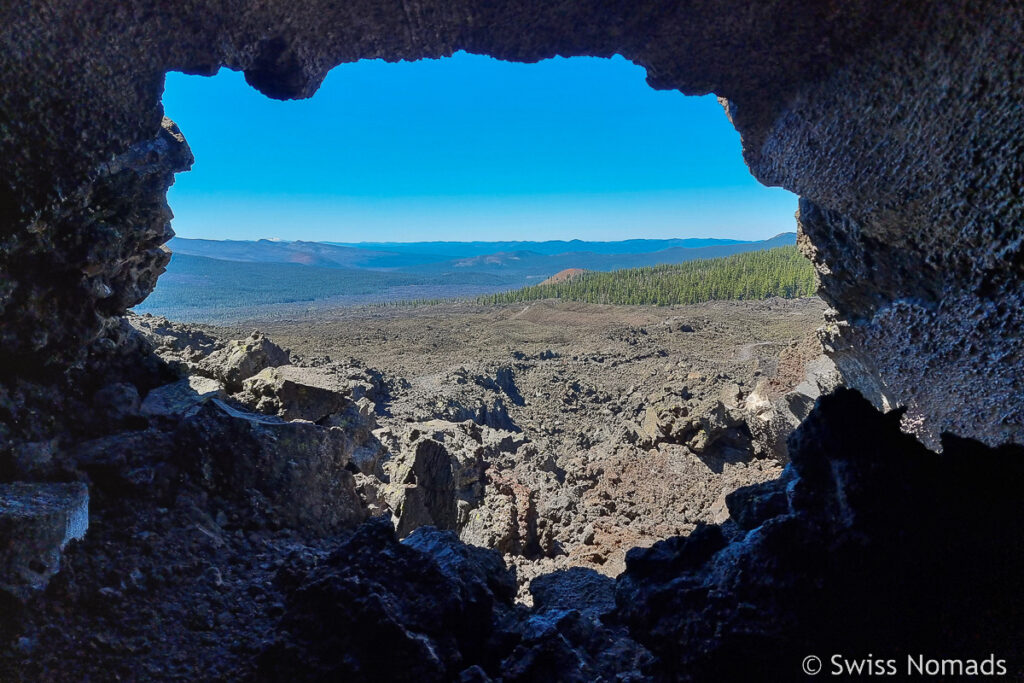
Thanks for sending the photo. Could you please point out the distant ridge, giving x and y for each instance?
(212, 279)
(525, 259)
(564, 275)
(443, 251)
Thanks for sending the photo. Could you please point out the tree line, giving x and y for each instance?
(782, 272)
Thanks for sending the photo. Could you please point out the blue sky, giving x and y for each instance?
(465, 148)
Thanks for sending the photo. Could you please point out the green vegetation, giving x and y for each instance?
(752, 275)
(203, 289)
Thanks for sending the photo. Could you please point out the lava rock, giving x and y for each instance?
(378, 609)
(241, 359)
(298, 468)
(180, 398)
(37, 521)
(882, 546)
(574, 588)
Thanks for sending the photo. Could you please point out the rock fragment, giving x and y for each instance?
(240, 359)
(294, 472)
(179, 398)
(37, 521)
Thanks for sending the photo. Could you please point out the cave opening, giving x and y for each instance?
(466, 149)
(210, 551)
(600, 426)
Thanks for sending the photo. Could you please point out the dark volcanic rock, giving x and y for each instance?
(883, 547)
(240, 359)
(93, 252)
(293, 472)
(897, 122)
(378, 609)
(431, 608)
(574, 588)
(911, 211)
(485, 578)
(37, 521)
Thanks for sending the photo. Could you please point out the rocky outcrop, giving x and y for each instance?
(908, 210)
(229, 476)
(435, 475)
(181, 397)
(897, 123)
(671, 416)
(430, 608)
(315, 394)
(37, 521)
(445, 474)
(456, 397)
(771, 415)
(180, 345)
(758, 421)
(381, 610)
(240, 359)
(868, 543)
(293, 471)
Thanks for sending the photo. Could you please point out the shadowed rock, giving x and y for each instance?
(870, 543)
(37, 521)
(294, 472)
(378, 609)
(910, 211)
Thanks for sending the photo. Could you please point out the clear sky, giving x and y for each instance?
(465, 148)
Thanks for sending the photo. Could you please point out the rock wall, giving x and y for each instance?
(898, 123)
(868, 543)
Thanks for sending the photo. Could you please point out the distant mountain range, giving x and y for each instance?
(275, 251)
(444, 251)
(218, 280)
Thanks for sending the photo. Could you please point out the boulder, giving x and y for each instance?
(456, 397)
(481, 571)
(301, 393)
(293, 472)
(37, 521)
(674, 416)
(574, 588)
(240, 359)
(377, 609)
(772, 416)
(434, 482)
(439, 474)
(180, 345)
(490, 412)
(181, 398)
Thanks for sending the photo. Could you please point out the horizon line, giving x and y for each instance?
(506, 241)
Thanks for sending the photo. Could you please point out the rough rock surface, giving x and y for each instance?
(578, 483)
(295, 470)
(236, 523)
(910, 210)
(899, 125)
(377, 607)
(435, 475)
(433, 609)
(868, 543)
(37, 521)
(179, 398)
(240, 359)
